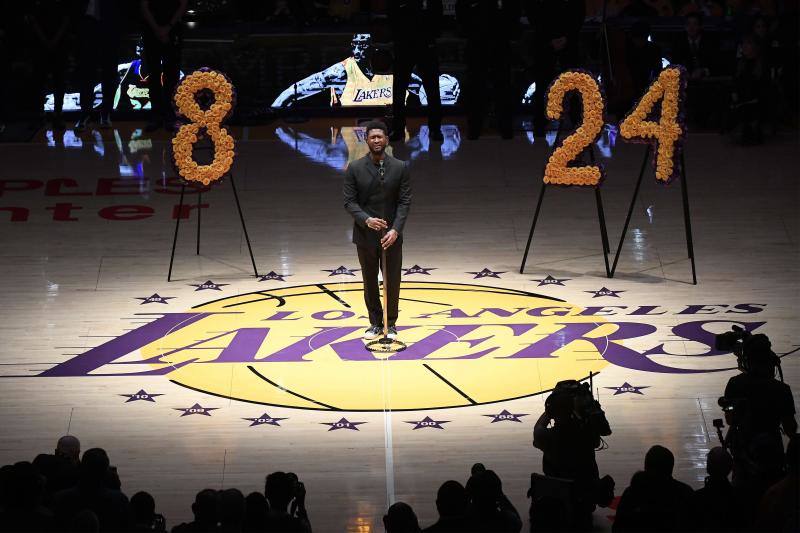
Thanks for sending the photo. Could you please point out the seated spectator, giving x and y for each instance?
(655, 501)
(204, 510)
(749, 96)
(451, 502)
(22, 509)
(718, 506)
(280, 492)
(61, 468)
(780, 508)
(92, 493)
(143, 514)
(696, 51)
(400, 518)
(231, 511)
(490, 509)
(255, 513)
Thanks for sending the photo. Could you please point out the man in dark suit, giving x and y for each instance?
(377, 193)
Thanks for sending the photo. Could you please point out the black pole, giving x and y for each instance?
(199, 211)
(175, 238)
(600, 213)
(244, 226)
(630, 209)
(533, 227)
(601, 217)
(538, 206)
(687, 222)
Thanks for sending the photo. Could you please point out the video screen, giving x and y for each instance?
(351, 82)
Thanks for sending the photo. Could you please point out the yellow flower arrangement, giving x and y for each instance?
(209, 119)
(668, 132)
(557, 171)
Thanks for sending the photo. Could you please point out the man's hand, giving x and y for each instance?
(376, 223)
(389, 239)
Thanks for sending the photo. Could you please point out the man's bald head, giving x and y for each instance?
(69, 447)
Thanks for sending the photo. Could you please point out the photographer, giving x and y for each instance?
(757, 406)
(569, 446)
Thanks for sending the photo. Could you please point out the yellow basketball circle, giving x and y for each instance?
(301, 347)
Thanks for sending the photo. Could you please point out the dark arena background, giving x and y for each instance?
(589, 314)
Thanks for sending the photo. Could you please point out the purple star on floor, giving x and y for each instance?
(627, 387)
(416, 269)
(604, 292)
(550, 280)
(209, 285)
(273, 276)
(154, 299)
(486, 273)
(341, 271)
(196, 410)
(343, 424)
(505, 416)
(264, 419)
(428, 422)
(141, 395)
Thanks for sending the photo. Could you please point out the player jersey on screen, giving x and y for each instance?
(360, 90)
(133, 92)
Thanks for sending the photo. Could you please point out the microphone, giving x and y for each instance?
(381, 169)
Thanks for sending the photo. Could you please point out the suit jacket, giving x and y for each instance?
(366, 195)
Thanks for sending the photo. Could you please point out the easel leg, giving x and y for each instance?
(603, 232)
(244, 227)
(687, 222)
(199, 214)
(600, 213)
(533, 227)
(177, 225)
(630, 210)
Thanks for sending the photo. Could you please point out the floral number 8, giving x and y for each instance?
(209, 119)
(558, 171)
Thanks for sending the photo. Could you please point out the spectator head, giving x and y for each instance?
(85, 521)
(204, 507)
(477, 468)
(143, 508)
(560, 407)
(278, 490)
(400, 518)
(69, 447)
(719, 463)
(451, 500)
(26, 486)
(231, 507)
(760, 28)
(751, 49)
(659, 461)
(94, 466)
(255, 512)
(485, 489)
(694, 24)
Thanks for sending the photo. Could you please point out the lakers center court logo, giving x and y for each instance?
(468, 344)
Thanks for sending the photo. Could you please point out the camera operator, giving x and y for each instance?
(757, 406)
(569, 446)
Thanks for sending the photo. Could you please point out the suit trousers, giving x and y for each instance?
(408, 55)
(370, 260)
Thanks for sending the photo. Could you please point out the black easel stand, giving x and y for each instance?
(687, 222)
(200, 210)
(600, 215)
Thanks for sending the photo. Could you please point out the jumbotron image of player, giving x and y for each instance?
(353, 83)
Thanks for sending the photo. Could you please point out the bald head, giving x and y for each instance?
(69, 447)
